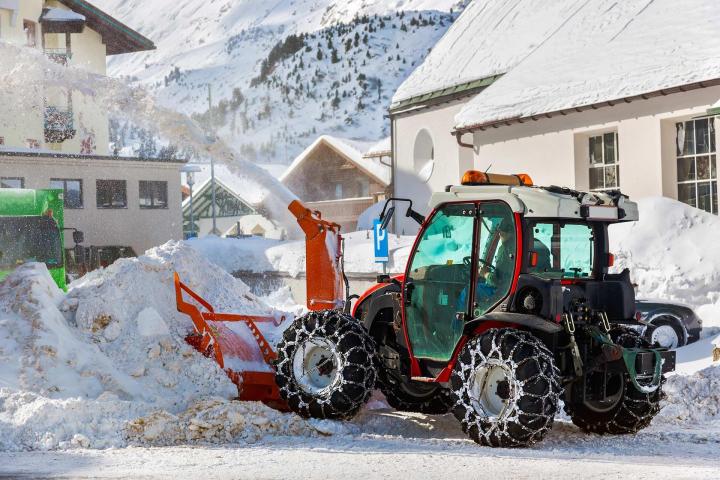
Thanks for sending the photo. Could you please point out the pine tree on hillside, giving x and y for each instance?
(319, 55)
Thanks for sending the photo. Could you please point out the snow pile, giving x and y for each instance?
(693, 398)
(75, 368)
(216, 420)
(672, 254)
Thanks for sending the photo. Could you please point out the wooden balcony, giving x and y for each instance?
(58, 55)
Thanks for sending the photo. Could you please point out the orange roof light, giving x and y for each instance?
(525, 179)
(476, 177)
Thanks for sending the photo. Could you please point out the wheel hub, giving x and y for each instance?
(316, 366)
(492, 387)
(665, 336)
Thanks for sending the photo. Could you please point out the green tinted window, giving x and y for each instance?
(563, 250)
(438, 278)
(497, 244)
(29, 239)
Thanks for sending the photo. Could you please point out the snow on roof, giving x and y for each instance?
(62, 15)
(606, 53)
(370, 166)
(244, 188)
(489, 38)
(383, 147)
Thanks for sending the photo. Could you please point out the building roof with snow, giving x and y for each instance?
(603, 54)
(383, 148)
(370, 166)
(487, 40)
(244, 188)
(117, 37)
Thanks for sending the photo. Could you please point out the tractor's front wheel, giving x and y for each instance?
(325, 365)
(506, 388)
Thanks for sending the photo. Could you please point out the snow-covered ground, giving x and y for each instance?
(99, 382)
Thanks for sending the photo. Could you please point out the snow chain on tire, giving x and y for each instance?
(529, 394)
(635, 409)
(346, 351)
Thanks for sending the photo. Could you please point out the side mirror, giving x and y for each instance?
(385, 219)
(78, 236)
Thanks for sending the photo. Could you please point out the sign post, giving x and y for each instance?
(380, 243)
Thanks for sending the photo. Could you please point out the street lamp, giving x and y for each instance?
(190, 171)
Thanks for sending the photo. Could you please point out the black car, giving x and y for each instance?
(670, 325)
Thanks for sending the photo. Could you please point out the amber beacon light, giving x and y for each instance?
(476, 177)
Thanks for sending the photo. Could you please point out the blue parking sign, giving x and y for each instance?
(380, 241)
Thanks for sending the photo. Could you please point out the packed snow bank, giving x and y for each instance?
(216, 420)
(75, 368)
(693, 398)
(672, 254)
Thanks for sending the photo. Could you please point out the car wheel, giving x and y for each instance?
(666, 332)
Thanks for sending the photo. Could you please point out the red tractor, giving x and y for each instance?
(506, 306)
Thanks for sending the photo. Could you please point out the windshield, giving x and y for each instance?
(29, 239)
(563, 250)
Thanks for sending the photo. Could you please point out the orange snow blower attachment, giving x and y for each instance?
(223, 336)
(235, 341)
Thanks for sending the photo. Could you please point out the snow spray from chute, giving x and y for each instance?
(26, 74)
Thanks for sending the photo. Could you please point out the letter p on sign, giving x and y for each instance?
(380, 242)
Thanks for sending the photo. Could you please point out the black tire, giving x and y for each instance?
(340, 344)
(633, 411)
(667, 320)
(409, 396)
(530, 387)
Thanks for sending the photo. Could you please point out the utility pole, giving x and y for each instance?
(212, 165)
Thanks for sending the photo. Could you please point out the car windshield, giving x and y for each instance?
(564, 250)
(29, 239)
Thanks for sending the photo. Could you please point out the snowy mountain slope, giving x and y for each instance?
(225, 43)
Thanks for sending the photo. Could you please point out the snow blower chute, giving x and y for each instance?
(224, 336)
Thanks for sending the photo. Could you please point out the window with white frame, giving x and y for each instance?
(696, 163)
(604, 158)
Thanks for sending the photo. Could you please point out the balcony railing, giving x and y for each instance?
(59, 125)
(58, 55)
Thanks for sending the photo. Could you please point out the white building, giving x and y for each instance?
(576, 93)
(59, 138)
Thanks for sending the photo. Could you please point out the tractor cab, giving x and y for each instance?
(498, 251)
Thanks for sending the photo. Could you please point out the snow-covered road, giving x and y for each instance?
(388, 444)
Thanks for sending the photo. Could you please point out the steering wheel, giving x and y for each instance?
(489, 265)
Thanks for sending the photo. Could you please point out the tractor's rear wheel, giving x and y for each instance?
(625, 409)
(408, 396)
(325, 365)
(506, 388)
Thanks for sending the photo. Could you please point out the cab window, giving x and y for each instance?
(564, 250)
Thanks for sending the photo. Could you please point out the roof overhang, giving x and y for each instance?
(51, 24)
(118, 37)
(444, 95)
(594, 106)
